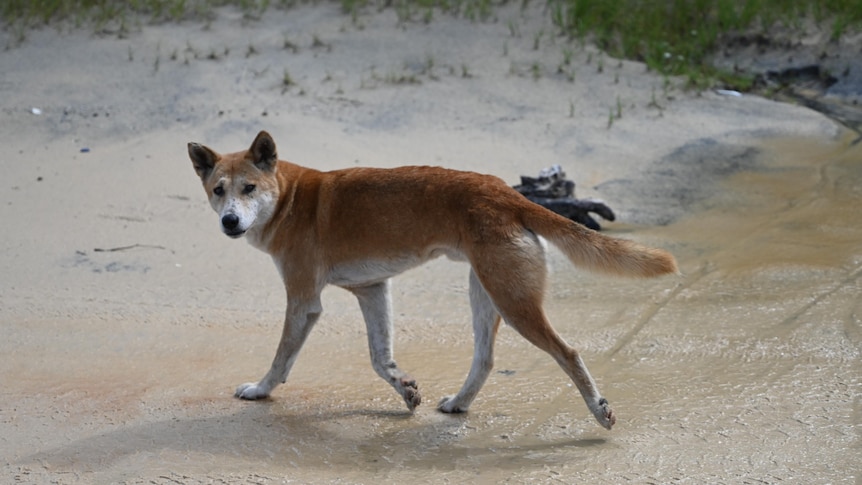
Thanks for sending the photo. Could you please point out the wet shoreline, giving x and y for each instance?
(802, 66)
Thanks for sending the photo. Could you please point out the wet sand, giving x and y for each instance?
(128, 319)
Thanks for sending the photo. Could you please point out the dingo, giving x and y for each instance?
(356, 228)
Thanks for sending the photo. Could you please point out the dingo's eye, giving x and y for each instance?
(219, 191)
(248, 189)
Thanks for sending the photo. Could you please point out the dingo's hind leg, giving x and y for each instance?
(486, 321)
(376, 305)
(528, 318)
(514, 277)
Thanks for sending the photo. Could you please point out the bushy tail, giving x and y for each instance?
(597, 252)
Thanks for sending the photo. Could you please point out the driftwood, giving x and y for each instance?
(552, 191)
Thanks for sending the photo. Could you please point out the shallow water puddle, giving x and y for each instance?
(800, 209)
(752, 361)
(743, 366)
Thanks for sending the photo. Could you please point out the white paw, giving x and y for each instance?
(448, 405)
(604, 414)
(251, 391)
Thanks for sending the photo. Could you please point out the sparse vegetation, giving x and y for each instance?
(536, 70)
(676, 37)
(99, 13)
(286, 80)
(673, 37)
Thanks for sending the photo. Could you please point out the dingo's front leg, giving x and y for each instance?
(376, 305)
(299, 319)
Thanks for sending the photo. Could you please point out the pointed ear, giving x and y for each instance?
(263, 152)
(203, 159)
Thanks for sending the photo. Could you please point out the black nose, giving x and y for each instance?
(230, 221)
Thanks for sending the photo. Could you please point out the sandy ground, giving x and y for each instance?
(127, 319)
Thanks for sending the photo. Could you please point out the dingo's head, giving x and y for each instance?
(241, 186)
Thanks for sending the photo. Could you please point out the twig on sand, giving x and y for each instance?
(125, 248)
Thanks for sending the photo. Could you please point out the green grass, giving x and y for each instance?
(673, 37)
(30, 13)
(676, 37)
